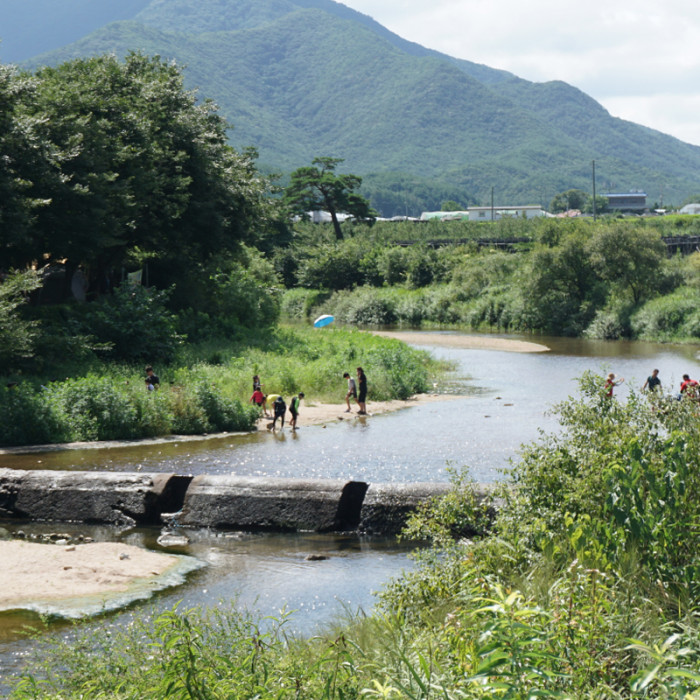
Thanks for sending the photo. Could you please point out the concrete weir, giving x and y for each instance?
(218, 502)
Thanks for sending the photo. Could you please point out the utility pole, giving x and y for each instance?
(594, 207)
(492, 204)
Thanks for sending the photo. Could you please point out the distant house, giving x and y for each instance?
(324, 217)
(445, 215)
(496, 213)
(692, 208)
(634, 202)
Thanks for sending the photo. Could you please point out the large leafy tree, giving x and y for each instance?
(629, 259)
(21, 160)
(134, 168)
(318, 186)
(17, 335)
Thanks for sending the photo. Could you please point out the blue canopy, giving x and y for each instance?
(324, 320)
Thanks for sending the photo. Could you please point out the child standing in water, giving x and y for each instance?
(294, 409)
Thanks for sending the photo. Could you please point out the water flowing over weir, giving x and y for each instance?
(506, 398)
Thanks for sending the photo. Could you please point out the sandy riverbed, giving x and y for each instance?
(45, 576)
(313, 413)
(460, 340)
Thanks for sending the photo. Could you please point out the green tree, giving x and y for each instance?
(135, 169)
(451, 205)
(571, 199)
(318, 186)
(629, 259)
(21, 157)
(561, 288)
(16, 335)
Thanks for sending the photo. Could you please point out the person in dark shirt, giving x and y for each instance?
(361, 391)
(653, 382)
(152, 381)
(279, 408)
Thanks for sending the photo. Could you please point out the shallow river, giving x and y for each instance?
(505, 402)
(506, 398)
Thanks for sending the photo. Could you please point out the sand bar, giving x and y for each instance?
(320, 413)
(461, 340)
(63, 578)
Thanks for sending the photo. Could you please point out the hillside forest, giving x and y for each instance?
(299, 79)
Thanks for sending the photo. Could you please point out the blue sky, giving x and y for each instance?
(640, 59)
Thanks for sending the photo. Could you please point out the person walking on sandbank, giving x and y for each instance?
(362, 391)
(352, 390)
(279, 408)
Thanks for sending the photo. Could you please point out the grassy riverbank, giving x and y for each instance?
(607, 279)
(586, 585)
(206, 388)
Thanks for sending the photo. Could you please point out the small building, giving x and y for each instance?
(497, 213)
(445, 215)
(692, 208)
(633, 202)
(324, 217)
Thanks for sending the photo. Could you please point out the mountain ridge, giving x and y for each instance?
(303, 78)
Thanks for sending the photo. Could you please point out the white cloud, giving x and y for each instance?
(636, 58)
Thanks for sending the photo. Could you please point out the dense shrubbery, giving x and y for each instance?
(609, 280)
(587, 587)
(112, 408)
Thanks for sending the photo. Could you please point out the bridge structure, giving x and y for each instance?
(685, 245)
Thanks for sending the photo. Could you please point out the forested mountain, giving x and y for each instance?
(303, 78)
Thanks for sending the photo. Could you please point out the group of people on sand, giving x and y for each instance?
(689, 387)
(277, 404)
(274, 406)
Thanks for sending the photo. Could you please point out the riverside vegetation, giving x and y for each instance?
(205, 387)
(584, 585)
(607, 279)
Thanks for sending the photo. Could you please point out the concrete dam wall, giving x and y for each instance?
(217, 502)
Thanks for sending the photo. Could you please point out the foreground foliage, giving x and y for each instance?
(587, 587)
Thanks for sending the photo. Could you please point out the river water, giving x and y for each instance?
(505, 399)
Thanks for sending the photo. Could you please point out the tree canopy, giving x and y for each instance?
(318, 186)
(112, 161)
